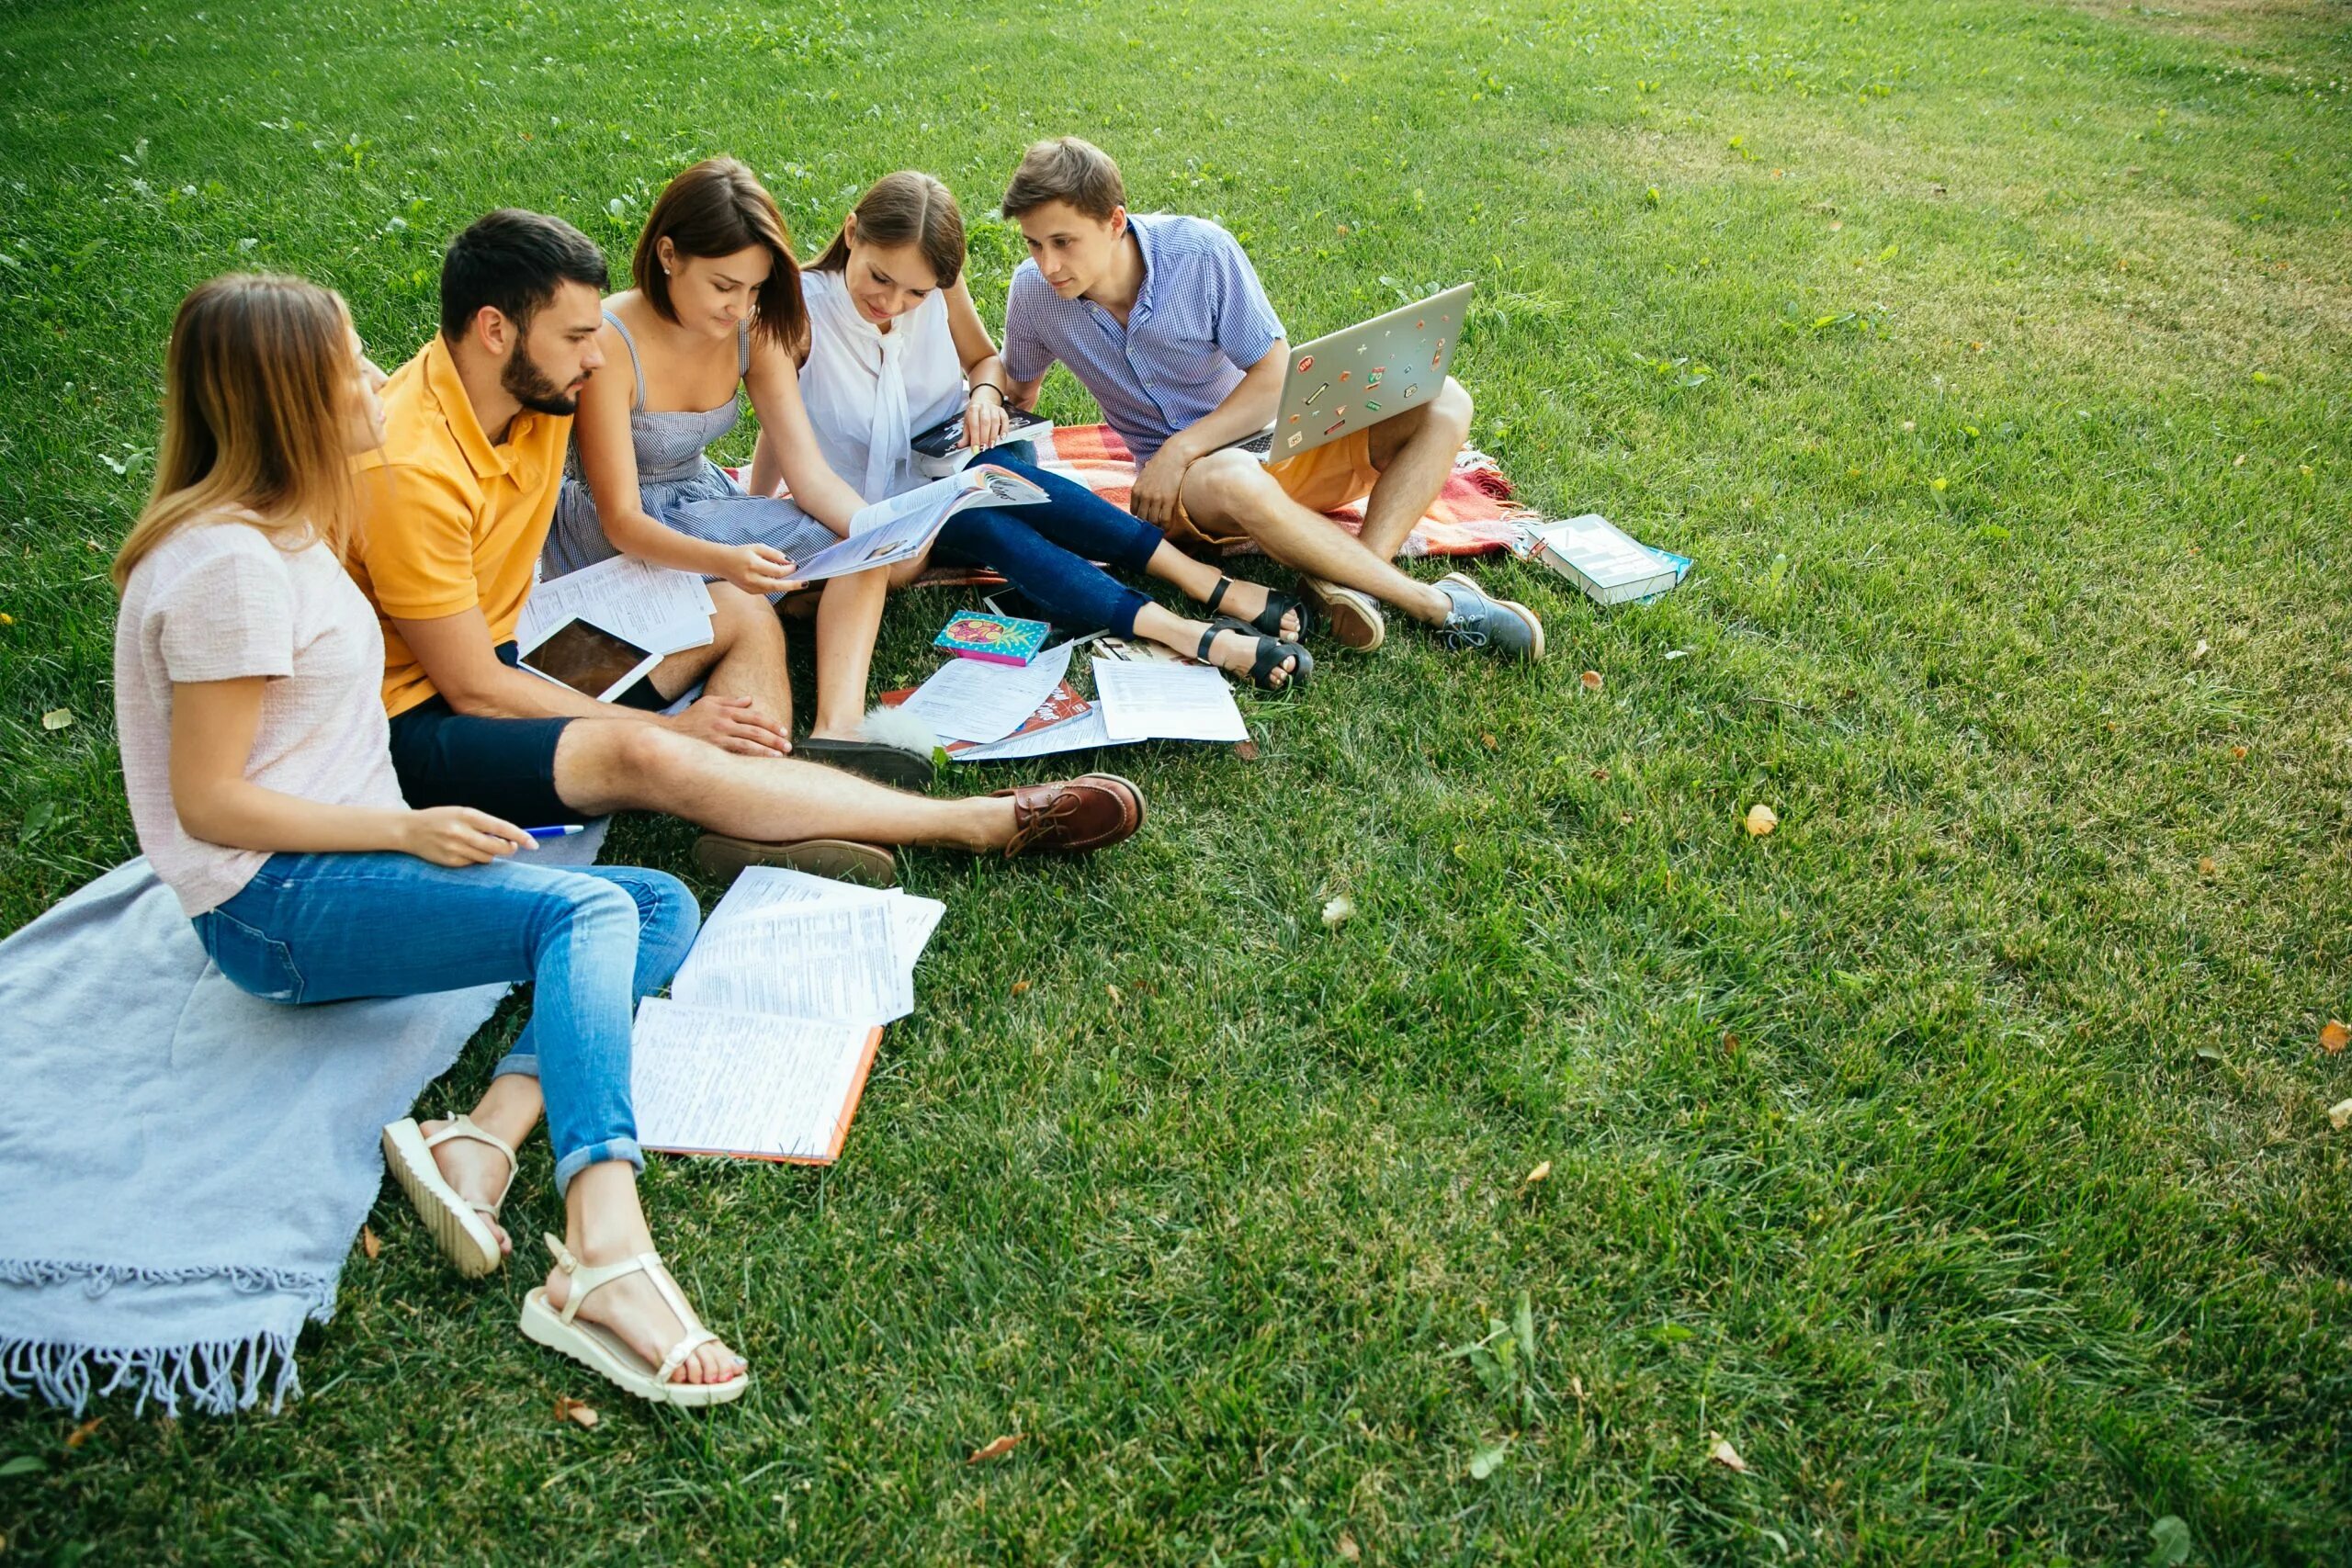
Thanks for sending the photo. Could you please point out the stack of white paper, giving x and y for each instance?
(972, 699)
(1165, 702)
(659, 610)
(761, 1049)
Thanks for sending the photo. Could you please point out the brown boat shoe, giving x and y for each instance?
(1078, 816)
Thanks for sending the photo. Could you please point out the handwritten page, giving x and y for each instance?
(1166, 702)
(970, 699)
(836, 962)
(711, 1082)
(659, 610)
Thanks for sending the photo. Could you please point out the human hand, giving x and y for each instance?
(458, 835)
(734, 724)
(984, 420)
(758, 569)
(1154, 498)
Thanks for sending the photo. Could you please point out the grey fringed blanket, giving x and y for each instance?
(183, 1167)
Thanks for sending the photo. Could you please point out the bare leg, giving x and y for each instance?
(743, 658)
(509, 1110)
(1198, 579)
(604, 766)
(1414, 453)
(848, 617)
(1233, 488)
(603, 1223)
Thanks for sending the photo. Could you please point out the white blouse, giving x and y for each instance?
(870, 393)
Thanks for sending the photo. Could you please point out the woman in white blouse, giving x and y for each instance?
(896, 346)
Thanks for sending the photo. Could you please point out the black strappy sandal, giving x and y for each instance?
(1267, 622)
(1271, 652)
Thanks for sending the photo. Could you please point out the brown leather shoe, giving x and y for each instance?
(724, 859)
(1078, 816)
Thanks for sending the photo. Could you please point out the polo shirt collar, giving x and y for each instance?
(449, 392)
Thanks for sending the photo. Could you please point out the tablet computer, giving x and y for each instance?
(588, 659)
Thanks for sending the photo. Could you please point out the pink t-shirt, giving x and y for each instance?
(217, 600)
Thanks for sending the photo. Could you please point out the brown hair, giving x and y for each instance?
(1066, 169)
(716, 208)
(258, 412)
(906, 209)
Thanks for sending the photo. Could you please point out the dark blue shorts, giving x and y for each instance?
(503, 766)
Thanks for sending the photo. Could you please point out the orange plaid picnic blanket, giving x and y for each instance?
(1473, 514)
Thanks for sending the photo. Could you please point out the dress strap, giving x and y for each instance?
(743, 349)
(622, 327)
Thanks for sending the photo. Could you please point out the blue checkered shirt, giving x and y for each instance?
(1200, 320)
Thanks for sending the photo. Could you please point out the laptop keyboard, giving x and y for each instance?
(1261, 444)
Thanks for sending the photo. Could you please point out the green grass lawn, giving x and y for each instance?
(1959, 1153)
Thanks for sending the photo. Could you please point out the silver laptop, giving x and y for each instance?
(1362, 375)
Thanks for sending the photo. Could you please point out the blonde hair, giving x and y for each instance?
(257, 410)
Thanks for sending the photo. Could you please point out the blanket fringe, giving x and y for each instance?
(218, 1377)
(213, 1377)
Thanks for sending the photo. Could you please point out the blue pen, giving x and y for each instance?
(560, 830)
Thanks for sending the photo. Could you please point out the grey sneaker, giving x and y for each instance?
(1478, 620)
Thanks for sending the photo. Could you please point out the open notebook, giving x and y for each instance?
(762, 1048)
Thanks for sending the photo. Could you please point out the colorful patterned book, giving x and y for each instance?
(997, 639)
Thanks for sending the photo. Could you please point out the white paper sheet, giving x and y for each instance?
(1165, 702)
(972, 699)
(658, 609)
(1083, 733)
(831, 961)
(709, 1082)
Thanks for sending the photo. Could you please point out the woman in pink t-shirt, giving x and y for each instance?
(247, 675)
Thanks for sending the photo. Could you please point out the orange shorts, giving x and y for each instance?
(1321, 479)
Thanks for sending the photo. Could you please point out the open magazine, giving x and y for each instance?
(903, 526)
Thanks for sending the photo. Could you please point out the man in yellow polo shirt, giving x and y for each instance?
(456, 505)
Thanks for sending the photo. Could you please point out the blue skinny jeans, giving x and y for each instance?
(592, 939)
(1048, 550)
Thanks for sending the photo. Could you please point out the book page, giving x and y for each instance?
(1166, 702)
(971, 699)
(659, 610)
(707, 1082)
(833, 960)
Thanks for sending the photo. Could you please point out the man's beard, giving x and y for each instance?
(527, 384)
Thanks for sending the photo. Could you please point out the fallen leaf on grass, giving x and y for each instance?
(2340, 1113)
(1347, 1547)
(57, 718)
(2200, 650)
(1538, 1174)
(1724, 1454)
(2168, 1542)
(1113, 992)
(2206, 867)
(2210, 1054)
(1490, 742)
(1761, 819)
(997, 1448)
(576, 1412)
(1590, 680)
(83, 1432)
(2333, 1037)
(2238, 753)
(368, 1243)
(1485, 1461)
(1246, 750)
(1336, 912)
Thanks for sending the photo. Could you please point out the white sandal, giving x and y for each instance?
(601, 1350)
(461, 1226)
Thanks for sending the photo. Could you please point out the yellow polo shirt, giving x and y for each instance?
(447, 521)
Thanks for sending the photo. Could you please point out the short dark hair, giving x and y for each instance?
(513, 261)
(715, 209)
(1066, 169)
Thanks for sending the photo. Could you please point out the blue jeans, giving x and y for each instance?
(592, 938)
(1048, 550)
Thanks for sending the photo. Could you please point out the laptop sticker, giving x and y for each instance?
(1316, 393)
(1306, 364)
